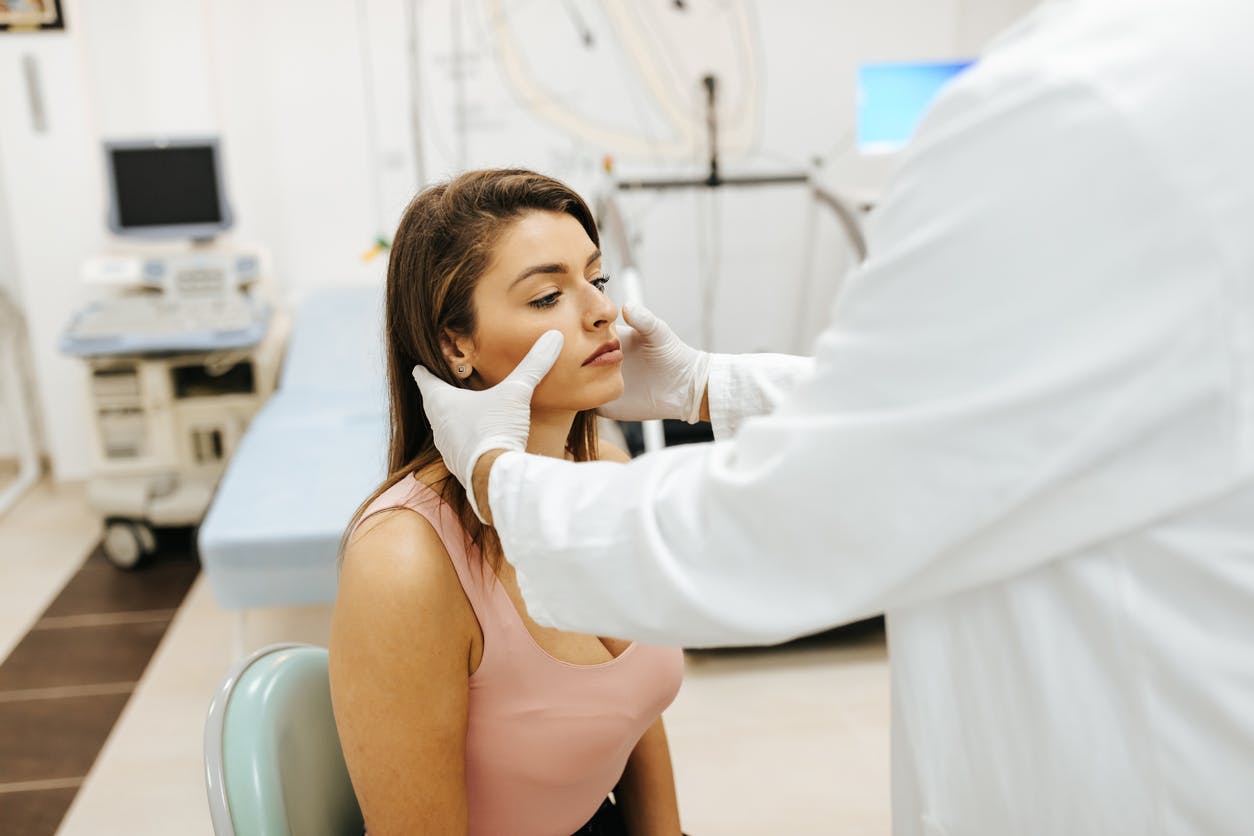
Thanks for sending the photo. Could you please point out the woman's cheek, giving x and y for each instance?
(554, 383)
(505, 356)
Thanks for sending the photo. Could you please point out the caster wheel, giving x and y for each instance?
(126, 543)
(147, 539)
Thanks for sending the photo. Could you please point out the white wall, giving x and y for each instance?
(312, 101)
(54, 219)
(8, 286)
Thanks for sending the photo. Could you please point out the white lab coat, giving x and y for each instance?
(1028, 438)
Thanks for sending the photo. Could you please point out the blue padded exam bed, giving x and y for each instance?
(308, 458)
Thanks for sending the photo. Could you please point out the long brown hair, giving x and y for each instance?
(442, 248)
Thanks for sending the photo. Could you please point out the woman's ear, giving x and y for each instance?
(459, 353)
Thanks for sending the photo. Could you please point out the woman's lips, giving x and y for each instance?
(609, 358)
(608, 354)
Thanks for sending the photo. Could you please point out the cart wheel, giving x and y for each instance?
(147, 539)
(123, 545)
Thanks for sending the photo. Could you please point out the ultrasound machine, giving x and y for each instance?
(180, 336)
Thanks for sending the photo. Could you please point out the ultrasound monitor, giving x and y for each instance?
(166, 188)
(892, 98)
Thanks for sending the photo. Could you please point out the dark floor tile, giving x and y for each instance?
(34, 813)
(81, 655)
(157, 584)
(58, 738)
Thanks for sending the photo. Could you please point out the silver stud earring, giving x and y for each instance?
(461, 369)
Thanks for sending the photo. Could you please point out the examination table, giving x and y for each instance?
(315, 450)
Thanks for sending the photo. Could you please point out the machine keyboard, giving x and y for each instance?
(157, 316)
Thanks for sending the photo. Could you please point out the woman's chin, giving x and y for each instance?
(591, 396)
(610, 390)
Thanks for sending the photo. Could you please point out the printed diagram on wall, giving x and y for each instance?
(550, 80)
(30, 15)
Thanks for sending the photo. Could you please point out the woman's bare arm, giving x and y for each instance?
(400, 653)
(646, 792)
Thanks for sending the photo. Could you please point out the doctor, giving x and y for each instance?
(1027, 436)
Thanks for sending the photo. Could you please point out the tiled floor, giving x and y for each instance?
(768, 741)
(65, 682)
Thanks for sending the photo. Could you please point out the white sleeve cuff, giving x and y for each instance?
(742, 386)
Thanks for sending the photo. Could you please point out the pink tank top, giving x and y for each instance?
(546, 740)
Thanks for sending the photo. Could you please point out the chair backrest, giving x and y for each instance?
(273, 764)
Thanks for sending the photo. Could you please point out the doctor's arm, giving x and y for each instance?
(1005, 381)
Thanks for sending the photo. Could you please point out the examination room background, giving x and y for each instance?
(333, 113)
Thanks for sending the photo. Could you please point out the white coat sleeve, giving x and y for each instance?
(746, 385)
(1037, 356)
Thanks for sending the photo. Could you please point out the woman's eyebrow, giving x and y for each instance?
(555, 267)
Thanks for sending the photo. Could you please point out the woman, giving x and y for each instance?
(457, 712)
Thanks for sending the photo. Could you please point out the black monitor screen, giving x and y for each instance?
(166, 186)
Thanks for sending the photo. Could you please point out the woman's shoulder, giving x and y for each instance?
(607, 452)
(418, 491)
(394, 546)
(397, 557)
(400, 613)
(397, 582)
(393, 533)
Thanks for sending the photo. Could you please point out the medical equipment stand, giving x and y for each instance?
(846, 215)
(13, 394)
(610, 220)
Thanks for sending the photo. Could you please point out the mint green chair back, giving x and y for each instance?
(273, 764)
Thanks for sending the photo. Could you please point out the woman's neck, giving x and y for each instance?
(549, 432)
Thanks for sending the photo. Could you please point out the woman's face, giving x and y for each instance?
(546, 274)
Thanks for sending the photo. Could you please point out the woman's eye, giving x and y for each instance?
(545, 302)
(601, 282)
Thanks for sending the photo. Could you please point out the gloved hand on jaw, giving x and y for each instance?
(466, 424)
(663, 376)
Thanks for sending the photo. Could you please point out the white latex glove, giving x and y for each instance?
(663, 376)
(466, 423)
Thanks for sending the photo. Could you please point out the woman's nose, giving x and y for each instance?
(601, 309)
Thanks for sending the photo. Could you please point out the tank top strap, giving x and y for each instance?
(476, 578)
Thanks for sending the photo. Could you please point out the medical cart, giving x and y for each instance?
(177, 367)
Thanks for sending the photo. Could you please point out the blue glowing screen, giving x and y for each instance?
(892, 98)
